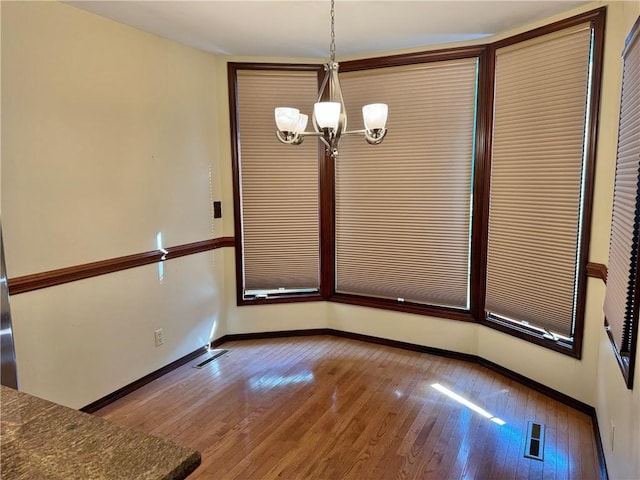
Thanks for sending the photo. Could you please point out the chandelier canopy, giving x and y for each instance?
(329, 118)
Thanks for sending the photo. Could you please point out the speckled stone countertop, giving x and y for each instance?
(42, 440)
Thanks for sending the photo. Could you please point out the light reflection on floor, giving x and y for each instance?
(270, 381)
(468, 403)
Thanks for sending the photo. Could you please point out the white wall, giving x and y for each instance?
(109, 136)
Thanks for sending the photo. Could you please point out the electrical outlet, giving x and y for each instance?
(159, 337)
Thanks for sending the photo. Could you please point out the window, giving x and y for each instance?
(539, 160)
(403, 208)
(476, 207)
(276, 198)
(623, 296)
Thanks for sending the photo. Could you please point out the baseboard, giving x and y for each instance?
(403, 345)
(133, 386)
(539, 387)
(526, 381)
(604, 474)
(276, 334)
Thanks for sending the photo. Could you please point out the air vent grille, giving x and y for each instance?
(534, 447)
(214, 354)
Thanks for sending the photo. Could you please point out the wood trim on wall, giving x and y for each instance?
(597, 270)
(482, 182)
(403, 59)
(597, 15)
(36, 281)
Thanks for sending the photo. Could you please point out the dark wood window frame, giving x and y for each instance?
(476, 312)
(478, 52)
(574, 349)
(232, 74)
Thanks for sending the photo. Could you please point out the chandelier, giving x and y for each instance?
(329, 117)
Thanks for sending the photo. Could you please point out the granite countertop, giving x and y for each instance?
(42, 440)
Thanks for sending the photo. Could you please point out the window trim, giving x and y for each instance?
(451, 313)
(597, 19)
(480, 187)
(232, 75)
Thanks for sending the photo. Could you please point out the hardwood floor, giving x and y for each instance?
(331, 408)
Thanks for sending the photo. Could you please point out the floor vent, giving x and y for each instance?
(214, 354)
(534, 448)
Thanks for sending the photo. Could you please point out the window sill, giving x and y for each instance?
(624, 361)
(283, 298)
(533, 336)
(406, 307)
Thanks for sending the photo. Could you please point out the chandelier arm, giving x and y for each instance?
(326, 143)
(355, 132)
(331, 130)
(335, 95)
(310, 134)
(375, 136)
(323, 87)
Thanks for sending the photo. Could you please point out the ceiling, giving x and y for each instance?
(300, 28)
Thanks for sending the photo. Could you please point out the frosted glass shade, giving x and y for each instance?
(327, 114)
(287, 119)
(375, 115)
(302, 123)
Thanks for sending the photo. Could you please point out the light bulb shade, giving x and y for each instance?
(287, 119)
(302, 123)
(375, 115)
(327, 114)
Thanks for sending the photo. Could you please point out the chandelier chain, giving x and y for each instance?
(332, 45)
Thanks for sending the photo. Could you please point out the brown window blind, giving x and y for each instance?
(403, 207)
(619, 306)
(537, 161)
(279, 184)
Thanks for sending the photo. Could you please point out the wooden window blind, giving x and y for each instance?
(279, 185)
(403, 207)
(537, 165)
(620, 306)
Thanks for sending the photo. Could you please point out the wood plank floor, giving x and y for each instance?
(332, 408)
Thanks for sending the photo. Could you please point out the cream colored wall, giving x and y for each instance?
(116, 134)
(614, 403)
(80, 341)
(595, 379)
(110, 135)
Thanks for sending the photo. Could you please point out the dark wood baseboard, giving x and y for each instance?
(548, 391)
(602, 462)
(404, 345)
(132, 387)
(539, 387)
(276, 334)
